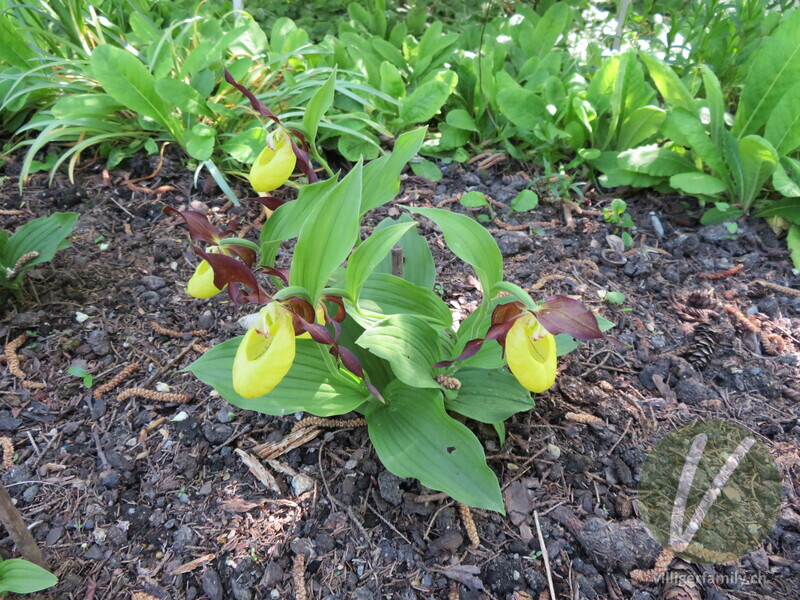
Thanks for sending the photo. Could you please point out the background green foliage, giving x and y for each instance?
(697, 97)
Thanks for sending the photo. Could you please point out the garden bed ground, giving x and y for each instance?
(124, 492)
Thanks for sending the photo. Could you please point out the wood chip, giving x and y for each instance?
(259, 471)
(193, 564)
(290, 442)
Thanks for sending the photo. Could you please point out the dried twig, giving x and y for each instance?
(116, 380)
(545, 555)
(151, 395)
(12, 520)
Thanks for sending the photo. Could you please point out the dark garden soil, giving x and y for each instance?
(150, 495)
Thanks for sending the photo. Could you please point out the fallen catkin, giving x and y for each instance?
(21, 262)
(151, 395)
(12, 360)
(329, 423)
(8, 451)
(298, 577)
(657, 572)
(583, 418)
(116, 380)
(451, 383)
(722, 274)
(469, 525)
(176, 334)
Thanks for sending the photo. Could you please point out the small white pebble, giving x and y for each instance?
(181, 416)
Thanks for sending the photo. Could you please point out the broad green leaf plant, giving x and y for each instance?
(341, 330)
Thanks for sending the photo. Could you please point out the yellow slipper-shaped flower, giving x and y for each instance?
(531, 354)
(265, 354)
(201, 284)
(275, 164)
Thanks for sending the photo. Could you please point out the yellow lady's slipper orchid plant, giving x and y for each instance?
(379, 341)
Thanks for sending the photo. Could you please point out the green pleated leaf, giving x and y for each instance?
(328, 236)
(418, 266)
(409, 344)
(470, 242)
(317, 107)
(415, 437)
(309, 386)
(368, 255)
(20, 576)
(716, 103)
(384, 295)
(489, 395)
(382, 175)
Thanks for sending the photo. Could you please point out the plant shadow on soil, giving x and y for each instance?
(122, 493)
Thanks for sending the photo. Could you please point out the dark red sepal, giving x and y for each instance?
(248, 255)
(496, 332)
(254, 102)
(229, 271)
(302, 157)
(321, 335)
(282, 274)
(271, 202)
(340, 312)
(200, 228)
(561, 314)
